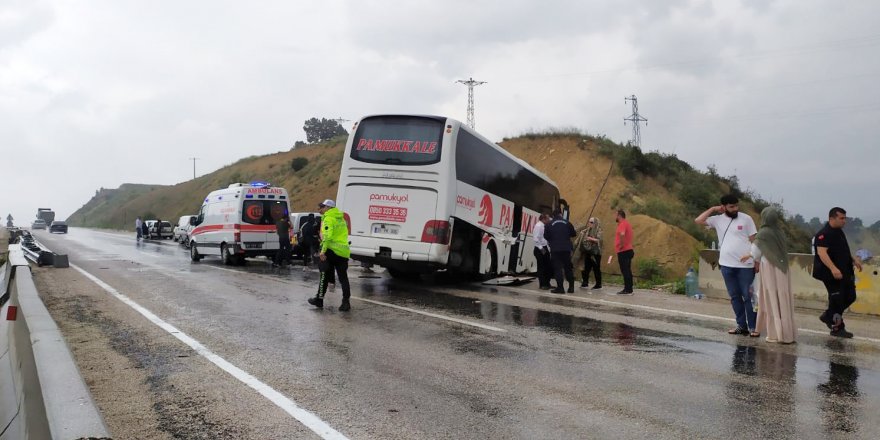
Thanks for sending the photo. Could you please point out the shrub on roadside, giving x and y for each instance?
(650, 269)
(298, 163)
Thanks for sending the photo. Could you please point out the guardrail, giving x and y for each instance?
(42, 394)
(808, 292)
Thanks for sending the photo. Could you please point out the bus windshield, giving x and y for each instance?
(398, 140)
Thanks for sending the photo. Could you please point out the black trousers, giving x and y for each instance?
(841, 294)
(562, 265)
(284, 250)
(592, 262)
(624, 259)
(308, 251)
(334, 263)
(544, 268)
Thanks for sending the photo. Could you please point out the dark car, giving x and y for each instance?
(58, 226)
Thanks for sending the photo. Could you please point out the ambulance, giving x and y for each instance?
(238, 222)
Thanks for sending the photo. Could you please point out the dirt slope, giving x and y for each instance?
(579, 170)
(574, 164)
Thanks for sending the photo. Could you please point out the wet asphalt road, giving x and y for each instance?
(542, 367)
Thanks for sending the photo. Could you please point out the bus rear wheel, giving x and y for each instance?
(489, 262)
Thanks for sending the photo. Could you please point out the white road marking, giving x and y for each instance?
(433, 315)
(227, 270)
(669, 311)
(305, 417)
(393, 306)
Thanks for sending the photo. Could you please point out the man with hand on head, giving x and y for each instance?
(735, 231)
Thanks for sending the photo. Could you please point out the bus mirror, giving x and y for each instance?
(193, 221)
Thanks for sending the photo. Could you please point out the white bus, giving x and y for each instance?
(424, 193)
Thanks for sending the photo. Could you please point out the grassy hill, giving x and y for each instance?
(314, 182)
(662, 193)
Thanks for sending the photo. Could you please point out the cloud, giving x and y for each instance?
(760, 89)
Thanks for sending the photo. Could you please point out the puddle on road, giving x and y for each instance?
(581, 328)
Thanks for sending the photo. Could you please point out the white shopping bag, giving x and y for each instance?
(755, 292)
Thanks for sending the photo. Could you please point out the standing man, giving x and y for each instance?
(735, 231)
(137, 227)
(833, 264)
(282, 228)
(558, 235)
(334, 253)
(542, 252)
(623, 245)
(590, 244)
(308, 239)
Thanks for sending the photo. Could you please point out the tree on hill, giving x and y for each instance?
(319, 130)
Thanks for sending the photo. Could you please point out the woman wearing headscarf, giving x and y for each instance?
(590, 244)
(775, 298)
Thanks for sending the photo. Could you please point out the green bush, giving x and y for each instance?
(650, 269)
(298, 163)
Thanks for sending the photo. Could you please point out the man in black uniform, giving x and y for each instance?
(308, 238)
(834, 264)
(558, 234)
(282, 227)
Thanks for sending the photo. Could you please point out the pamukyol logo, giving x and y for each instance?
(390, 198)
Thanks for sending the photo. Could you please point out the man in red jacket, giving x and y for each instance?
(623, 245)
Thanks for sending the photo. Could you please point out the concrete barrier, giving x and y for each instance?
(42, 394)
(808, 292)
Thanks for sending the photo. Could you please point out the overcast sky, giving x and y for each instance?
(99, 93)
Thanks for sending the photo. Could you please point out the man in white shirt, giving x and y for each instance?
(735, 234)
(137, 227)
(542, 252)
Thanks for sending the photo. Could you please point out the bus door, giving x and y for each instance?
(519, 236)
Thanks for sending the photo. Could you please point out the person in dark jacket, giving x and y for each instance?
(308, 238)
(282, 227)
(835, 266)
(145, 230)
(559, 234)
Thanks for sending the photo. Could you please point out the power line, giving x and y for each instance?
(635, 118)
(470, 109)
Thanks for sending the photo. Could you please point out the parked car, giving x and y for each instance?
(181, 231)
(165, 230)
(38, 224)
(58, 226)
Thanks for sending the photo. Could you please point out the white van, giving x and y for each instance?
(182, 228)
(238, 222)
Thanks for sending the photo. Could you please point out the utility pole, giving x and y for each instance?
(470, 109)
(341, 120)
(635, 118)
(194, 159)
